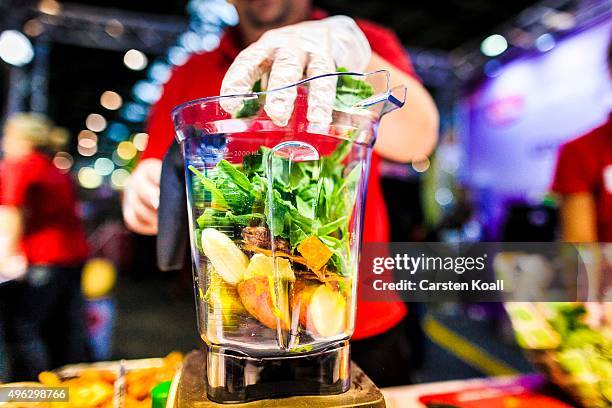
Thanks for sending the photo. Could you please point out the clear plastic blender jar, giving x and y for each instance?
(275, 215)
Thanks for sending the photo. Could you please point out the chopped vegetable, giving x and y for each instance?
(225, 256)
(315, 252)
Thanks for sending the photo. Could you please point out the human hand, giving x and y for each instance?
(317, 47)
(141, 198)
(13, 267)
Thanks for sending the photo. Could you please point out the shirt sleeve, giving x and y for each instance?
(576, 171)
(385, 43)
(15, 180)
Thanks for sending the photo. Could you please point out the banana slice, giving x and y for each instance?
(227, 259)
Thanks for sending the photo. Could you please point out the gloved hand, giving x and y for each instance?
(141, 198)
(317, 47)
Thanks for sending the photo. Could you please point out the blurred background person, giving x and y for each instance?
(43, 309)
(381, 328)
(583, 178)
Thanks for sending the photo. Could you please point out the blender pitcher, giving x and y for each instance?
(275, 220)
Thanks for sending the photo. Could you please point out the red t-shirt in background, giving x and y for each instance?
(201, 76)
(585, 166)
(53, 234)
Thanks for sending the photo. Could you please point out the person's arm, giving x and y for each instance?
(11, 229)
(578, 218)
(574, 182)
(411, 132)
(141, 194)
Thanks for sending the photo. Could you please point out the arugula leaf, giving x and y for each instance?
(250, 106)
(218, 199)
(237, 177)
(350, 91)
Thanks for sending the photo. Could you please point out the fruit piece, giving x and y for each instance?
(327, 311)
(227, 259)
(315, 252)
(322, 308)
(302, 292)
(256, 294)
(223, 300)
(263, 265)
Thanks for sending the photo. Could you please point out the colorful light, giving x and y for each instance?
(104, 166)
(545, 42)
(421, 164)
(89, 178)
(126, 150)
(119, 178)
(494, 45)
(63, 161)
(95, 122)
(111, 100)
(15, 48)
(135, 60)
(140, 141)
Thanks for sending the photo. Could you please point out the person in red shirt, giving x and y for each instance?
(583, 178)
(405, 134)
(38, 223)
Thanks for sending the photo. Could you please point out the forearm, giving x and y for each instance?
(411, 132)
(11, 227)
(578, 218)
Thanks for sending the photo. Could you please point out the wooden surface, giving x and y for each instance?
(191, 391)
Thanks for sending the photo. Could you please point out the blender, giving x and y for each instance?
(275, 218)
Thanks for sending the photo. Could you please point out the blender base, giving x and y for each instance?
(237, 378)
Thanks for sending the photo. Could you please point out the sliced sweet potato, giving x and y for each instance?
(315, 252)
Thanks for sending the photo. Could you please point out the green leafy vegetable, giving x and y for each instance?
(350, 91)
(294, 200)
(251, 106)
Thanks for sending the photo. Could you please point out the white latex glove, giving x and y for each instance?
(141, 198)
(317, 47)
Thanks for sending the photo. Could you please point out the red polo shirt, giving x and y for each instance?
(585, 166)
(53, 234)
(201, 76)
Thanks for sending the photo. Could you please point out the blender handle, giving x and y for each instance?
(392, 99)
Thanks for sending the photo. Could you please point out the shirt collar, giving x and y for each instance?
(231, 43)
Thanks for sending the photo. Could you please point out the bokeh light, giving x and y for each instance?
(87, 151)
(494, 45)
(33, 28)
(126, 150)
(15, 48)
(140, 141)
(118, 160)
(95, 122)
(114, 28)
(135, 60)
(111, 100)
(63, 161)
(421, 164)
(117, 131)
(119, 178)
(443, 196)
(51, 7)
(89, 178)
(545, 42)
(104, 166)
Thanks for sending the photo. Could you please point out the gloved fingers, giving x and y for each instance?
(287, 69)
(322, 92)
(246, 69)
